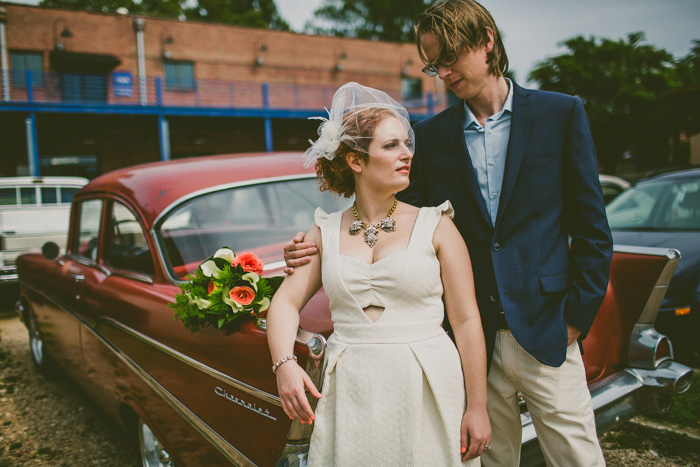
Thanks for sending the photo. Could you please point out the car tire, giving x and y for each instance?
(152, 452)
(42, 360)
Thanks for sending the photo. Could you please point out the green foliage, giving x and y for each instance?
(250, 13)
(621, 83)
(213, 310)
(386, 20)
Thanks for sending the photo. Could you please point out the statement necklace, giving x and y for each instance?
(388, 224)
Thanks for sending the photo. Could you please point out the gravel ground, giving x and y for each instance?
(52, 422)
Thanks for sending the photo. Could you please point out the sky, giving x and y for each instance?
(532, 29)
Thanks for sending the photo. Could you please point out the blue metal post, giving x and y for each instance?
(431, 103)
(159, 92)
(268, 120)
(164, 135)
(30, 87)
(32, 146)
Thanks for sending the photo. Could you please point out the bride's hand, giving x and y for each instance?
(291, 381)
(476, 433)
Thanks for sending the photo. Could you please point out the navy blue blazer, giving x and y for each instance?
(551, 192)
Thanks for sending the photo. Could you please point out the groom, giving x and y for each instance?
(520, 169)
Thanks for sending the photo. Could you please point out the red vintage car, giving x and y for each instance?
(100, 312)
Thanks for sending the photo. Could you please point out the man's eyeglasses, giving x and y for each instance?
(448, 60)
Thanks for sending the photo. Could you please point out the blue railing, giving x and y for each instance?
(121, 90)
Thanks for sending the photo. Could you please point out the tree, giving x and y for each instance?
(621, 83)
(386, 20)
(251, 13)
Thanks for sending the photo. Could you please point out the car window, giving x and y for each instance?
(67, 194)
(27, 195)
(126, 246)
(258, 218)
(49, 195)
(90, 213)
(684, 212)
(610, 191)
(8, 197)
(663, 205)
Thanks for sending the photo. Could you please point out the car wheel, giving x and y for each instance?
(41, 359)
(153, 454)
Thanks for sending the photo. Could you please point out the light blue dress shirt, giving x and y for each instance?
(487, 147)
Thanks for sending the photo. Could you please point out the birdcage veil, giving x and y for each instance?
(349, 101)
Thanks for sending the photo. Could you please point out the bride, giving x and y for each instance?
(394, 387)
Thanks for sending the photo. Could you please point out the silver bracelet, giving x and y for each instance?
(281, 361)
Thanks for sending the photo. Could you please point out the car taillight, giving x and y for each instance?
(664, 350)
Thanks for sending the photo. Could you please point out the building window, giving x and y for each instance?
(411, 89)
(179, 75)
(22, 62)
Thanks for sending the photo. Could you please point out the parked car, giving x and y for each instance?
(100, 311)
(33, 211)
(612, 186)
(663, 210)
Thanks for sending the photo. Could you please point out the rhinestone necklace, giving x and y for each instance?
(388, 224)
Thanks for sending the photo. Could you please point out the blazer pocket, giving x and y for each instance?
(536, 159)
(554, 283)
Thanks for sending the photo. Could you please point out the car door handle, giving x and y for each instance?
(78, 278)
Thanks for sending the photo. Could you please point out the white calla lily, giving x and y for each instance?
(225, 253)
(264, 304)
(210, 269)
(201, 303)
(253, 278)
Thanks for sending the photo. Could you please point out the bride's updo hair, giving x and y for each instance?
(336, 175)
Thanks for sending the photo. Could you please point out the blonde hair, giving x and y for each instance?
(462, 23)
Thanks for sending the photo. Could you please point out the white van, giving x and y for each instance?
(33, 211)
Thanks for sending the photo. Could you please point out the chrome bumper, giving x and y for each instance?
(8, 275)
(619, 398)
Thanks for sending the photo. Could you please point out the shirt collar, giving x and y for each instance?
(470, 119)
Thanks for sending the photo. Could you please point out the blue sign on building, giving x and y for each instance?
(122, 84)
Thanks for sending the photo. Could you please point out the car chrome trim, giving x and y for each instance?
(133, 275)
(618, 398)
(156, 223)
(224, 378)
(651, 308)
(88, 262)
(226, 449)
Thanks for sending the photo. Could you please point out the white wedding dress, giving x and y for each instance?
(393, 392)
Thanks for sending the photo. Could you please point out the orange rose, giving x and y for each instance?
(212, 287)
(242, 295)
(249, 262)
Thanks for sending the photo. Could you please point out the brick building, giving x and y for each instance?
(84, 93)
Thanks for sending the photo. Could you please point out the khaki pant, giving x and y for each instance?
(558, 400)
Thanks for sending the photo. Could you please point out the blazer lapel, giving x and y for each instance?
(520, 123)
(463, 161)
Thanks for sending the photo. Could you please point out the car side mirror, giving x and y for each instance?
(50, 251)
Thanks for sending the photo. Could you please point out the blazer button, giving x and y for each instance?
(496, 246)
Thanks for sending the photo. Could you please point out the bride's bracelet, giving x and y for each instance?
(282, 360)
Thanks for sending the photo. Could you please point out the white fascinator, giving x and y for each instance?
(349, 101)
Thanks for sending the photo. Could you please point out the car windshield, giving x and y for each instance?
(258, 218)
(662, 205)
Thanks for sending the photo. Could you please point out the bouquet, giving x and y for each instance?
(224, 289)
